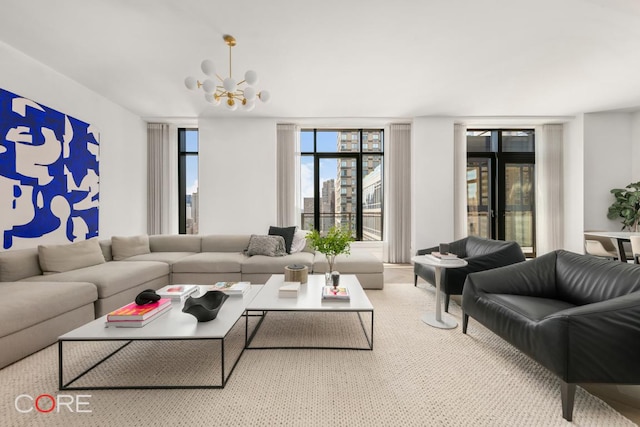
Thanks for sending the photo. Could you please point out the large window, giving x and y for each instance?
(341, 180)
(501, 185)
(188, 181)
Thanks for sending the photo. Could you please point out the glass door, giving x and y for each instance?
(479, 201)
(518, 207)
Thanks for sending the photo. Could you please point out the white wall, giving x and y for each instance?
(635, 147)
(607, 164)
(237, 176)
(123, 137)
(432, 181)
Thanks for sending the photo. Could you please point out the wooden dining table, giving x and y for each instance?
(619, 236)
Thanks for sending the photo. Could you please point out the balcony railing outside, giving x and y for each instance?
(371, 223)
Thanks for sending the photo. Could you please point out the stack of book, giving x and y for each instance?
(339, 293)
(135, 316)
(444, 256)
(177, 293)
(231, 288)
(289, 290)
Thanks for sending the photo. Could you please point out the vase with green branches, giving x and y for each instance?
(626, 206)
(335, 241)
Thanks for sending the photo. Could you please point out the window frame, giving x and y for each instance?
(359, 157)
(183, 153)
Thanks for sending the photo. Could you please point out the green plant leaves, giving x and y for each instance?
(626, 206)
(335, 242)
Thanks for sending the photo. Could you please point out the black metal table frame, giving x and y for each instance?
(249, 339)
(223, 380)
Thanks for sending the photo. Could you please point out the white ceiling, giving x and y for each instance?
(344, 58)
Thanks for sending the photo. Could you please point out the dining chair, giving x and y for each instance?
(635, 248)
(600, 246)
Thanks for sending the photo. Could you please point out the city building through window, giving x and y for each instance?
(188, 181)
(341, 180)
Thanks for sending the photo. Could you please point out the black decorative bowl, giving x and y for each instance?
(206, 307)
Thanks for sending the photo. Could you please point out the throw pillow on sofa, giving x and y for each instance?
(266, 245)
(299, 241)
(125, 247)
(287, 234)
(72, 256)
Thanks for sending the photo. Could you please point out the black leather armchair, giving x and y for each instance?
(576, 315)
(480, 254)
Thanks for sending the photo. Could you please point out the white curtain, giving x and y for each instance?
(460, 181)
(549, 209)
(162, 179)
(288, 169)
(398, 195)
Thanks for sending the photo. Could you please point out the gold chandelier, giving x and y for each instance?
(217, 89)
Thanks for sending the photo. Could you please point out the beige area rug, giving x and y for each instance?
(415, 376)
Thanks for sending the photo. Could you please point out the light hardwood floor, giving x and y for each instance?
(624, 399)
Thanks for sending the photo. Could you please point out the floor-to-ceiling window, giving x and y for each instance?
(188, 181)
(342, 180)
(501, 185)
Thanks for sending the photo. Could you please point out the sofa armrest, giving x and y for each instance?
(533, 278)
(603, 340)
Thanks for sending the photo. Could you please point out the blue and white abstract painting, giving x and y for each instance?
(49, 175)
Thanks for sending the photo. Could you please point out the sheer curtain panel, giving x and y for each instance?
(398, 194)
(549, 212)
(287, 174)
(162, 160)
(460, 181)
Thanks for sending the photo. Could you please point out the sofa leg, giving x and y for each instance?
(465, 322)
(567, 394)
(446, 302)
(415, 280)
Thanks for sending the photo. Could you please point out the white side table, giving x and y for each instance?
(436, 319)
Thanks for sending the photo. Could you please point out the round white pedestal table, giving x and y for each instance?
(439, 319)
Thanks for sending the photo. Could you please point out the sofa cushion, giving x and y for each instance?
(127, 246)
(356, 262)
(275, 265)
(287, 234)
(168, 257)
(225, 243)
(60, 258)
(266, 245)
(112, 277)
(36, 302)
(533, 308)
(175, 243)
(211, 262)
(19, 264)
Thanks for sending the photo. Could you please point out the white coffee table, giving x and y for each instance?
(310, 300)
(437, 319)
(173, 325)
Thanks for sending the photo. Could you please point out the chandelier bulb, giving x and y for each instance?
(209, 86)
(230, 84)
(208, 67)
(250, 93)
(251, 77)
(190, 83)
(264, 96)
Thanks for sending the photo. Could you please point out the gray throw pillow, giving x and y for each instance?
(125, 247)
(72, 256)
(266, 245)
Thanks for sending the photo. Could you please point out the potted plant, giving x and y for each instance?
(334, 242)
(626, 206)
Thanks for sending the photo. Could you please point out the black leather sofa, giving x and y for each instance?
(480, 254)
(576, 315)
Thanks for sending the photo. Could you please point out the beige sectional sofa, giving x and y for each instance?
(50, 290)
